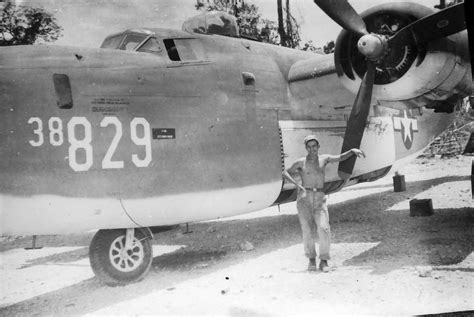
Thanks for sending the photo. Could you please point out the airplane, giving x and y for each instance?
(160, 127)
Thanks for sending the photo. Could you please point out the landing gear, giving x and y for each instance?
(120, 256)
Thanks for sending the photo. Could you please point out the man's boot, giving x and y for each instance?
(323, 266)
(312, 265)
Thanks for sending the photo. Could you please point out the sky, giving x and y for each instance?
(88, 22)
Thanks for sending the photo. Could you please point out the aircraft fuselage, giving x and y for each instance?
(99, 138)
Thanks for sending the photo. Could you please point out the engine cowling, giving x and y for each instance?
(413, 75)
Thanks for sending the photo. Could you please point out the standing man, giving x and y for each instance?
(311, 200)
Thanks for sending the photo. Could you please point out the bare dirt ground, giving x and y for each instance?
(254, 264)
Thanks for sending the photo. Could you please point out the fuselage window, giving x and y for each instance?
(180, 49)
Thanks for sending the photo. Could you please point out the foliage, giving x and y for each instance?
(329, 47)
(292, 30)
(288, 28)
(309, 46)
(455, 138)
(326, 49)
(269, 32)
(23, 25)
(442, 3)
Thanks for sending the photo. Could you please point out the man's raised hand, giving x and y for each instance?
(358, 152)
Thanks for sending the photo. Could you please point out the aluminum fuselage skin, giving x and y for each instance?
(149, 141)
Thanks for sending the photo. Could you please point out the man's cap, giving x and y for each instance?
(310, 137)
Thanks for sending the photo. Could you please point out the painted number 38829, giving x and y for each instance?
(139, 134)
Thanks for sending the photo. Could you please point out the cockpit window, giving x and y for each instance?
(176, 49)
(131, 41)
(127, 42)
(112, 42)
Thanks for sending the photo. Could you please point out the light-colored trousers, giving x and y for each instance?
(313, 209)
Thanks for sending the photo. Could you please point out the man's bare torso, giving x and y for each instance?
(312, 172)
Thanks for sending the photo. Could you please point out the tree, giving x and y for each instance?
(326, 49)
(281, 27)
(442, 3)
(309, 47)
(288, 27)
(292, 29)
(329, 47)
(23, 25)
(268, 32)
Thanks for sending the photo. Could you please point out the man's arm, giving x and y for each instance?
(293, 169)
(344, 156)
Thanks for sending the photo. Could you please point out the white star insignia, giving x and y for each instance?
(406, 123)
(409, 125)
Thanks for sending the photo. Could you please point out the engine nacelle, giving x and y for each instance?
(413, 75)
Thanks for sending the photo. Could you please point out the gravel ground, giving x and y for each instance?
(384, 262)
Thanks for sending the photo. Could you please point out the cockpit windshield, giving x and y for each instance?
(127, 42)
(112, 42)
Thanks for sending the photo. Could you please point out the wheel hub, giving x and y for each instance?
(126, 259)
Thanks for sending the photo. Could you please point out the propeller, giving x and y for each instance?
(357, 120)
(441, 24)
(375, 47)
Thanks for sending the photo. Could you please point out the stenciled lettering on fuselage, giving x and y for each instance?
(407, 125)
(52, 131)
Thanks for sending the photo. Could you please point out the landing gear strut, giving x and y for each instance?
(121, 256)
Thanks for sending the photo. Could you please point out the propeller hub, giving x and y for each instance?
(372, 46)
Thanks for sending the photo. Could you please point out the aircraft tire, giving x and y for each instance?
(111, 266)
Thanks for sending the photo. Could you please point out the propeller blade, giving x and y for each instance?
(435, 26)
(357, 121)
(343, 14)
